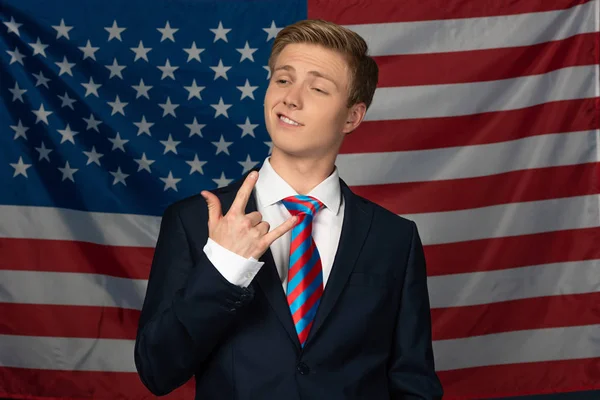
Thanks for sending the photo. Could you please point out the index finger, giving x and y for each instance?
(241, 199)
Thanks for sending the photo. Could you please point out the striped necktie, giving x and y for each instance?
(305, 275)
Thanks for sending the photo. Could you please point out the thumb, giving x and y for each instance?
(214, 207)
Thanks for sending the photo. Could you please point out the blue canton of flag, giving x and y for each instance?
(127, 107)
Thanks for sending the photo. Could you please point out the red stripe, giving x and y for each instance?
(378, 11)
(461, 194)
(33, 384)
(310, 302)
(72, 256)
(301, 236)
(512, 252)
(521, 379)
(307, 204)
(487, 64)
(305, 283)
(302, 336)
(516, 315)
(68, 321)
(491, 127)
(304, 258)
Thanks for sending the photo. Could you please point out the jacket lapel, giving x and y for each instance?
(355, 227)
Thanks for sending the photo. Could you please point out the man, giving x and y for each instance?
(286, 285)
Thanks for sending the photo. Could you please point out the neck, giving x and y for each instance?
(302, 174)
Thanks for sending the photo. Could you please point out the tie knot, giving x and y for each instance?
(301, 204)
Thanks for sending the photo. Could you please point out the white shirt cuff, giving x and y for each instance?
(236, 269)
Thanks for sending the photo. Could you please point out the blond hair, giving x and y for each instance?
(364, 72)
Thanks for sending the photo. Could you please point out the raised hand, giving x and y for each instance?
(244, 234)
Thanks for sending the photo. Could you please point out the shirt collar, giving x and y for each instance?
(271, 188)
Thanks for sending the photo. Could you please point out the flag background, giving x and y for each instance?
(485, 130)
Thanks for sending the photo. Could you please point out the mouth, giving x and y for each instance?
(287, 120)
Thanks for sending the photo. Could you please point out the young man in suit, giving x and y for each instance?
(285, 284)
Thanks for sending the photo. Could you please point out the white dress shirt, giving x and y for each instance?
(269, 190)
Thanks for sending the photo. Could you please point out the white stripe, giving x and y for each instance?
(67, 354)
(537, 345)
(541, 151)
(508, 220)
(476, 288)
(476, 33)
(448, 100)
(66, 288)
(64, 224)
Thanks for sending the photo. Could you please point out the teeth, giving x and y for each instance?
(288, 121)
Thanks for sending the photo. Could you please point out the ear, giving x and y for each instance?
(356, 114)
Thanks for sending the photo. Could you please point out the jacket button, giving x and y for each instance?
(303, 369)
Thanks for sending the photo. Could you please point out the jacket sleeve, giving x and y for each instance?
(188, 307)
(411, 370)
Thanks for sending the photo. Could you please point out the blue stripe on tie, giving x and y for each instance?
(299, 207)
(302, 248)
(310, 315)
(303, 271)
(303, 297)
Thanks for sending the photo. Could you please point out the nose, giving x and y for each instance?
(293, 98)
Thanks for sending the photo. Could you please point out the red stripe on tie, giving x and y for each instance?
(302, 336)
(308, 204)
(305, 282)
(308, 304)
(301, 262)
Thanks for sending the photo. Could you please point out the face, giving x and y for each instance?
(306, 111)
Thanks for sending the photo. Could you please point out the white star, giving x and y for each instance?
(67, 172)
(93, 156)
(247, 128)
(222, 146)
(20, 168)
(41, 80)
(222, 181)
(44, 152)
(247, 53)
(221, 108)
(39, 47)
(170, 182)
(195, 128)
(167, 70)
(115, 69)
(19, 130)
(167, 32)
(247, 90)
(91, 87)
(118, 143)
(220, 33)
(89, 51)
(118, 106)
(194, 90)
(114, 31)
(170, 145)
(193, 52)
(67, 134)
(144, 163)
(65, 67)
(141, 51)
(248, 164)
(17, 92)
(270, 146)
(62, 30)
(196, 165)
(16, 56)
(119, 176)
(67, 101)
(220, 70)
(92, 123)
(13, 26)
(168, 107)
(142, 89)
(272, 31)
(268, 71)
(143, 126)
(41, 114)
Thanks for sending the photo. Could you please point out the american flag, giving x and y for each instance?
(485, 130)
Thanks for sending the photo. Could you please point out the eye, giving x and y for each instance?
(281, 81)
(320, 90)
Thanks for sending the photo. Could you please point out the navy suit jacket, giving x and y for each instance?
(371, 337)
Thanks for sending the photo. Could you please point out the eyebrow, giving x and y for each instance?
(318, 74)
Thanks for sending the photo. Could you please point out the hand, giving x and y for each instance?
(244, 234)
